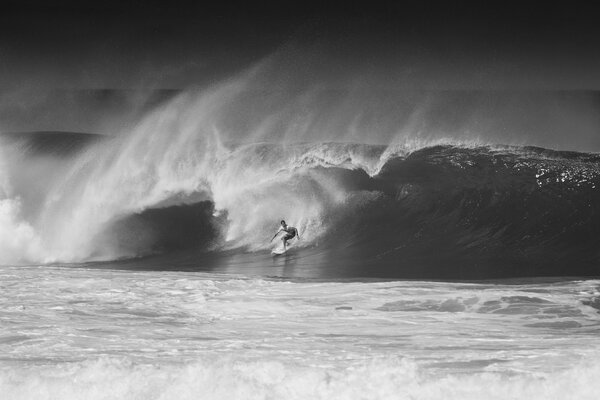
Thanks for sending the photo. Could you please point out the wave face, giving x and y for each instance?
(440, 211)
(484, 212)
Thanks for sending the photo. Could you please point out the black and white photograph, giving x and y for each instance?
(299, 200)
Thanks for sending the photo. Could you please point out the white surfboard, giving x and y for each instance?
(279, 250)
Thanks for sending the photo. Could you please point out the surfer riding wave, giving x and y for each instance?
(290, 233)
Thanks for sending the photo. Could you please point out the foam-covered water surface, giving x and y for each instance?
(70, 332)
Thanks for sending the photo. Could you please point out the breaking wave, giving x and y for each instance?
(512, 210)
(215, 171)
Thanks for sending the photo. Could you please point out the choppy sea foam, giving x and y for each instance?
(227, 378)
(104, 334)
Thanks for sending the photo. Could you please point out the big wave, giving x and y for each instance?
(484, 211)
(215, 171)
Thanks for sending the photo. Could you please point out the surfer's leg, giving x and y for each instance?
(285, 239)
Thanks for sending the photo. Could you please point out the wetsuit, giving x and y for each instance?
(290, 233)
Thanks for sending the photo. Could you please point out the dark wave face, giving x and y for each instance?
(448, 212)
(167, 230)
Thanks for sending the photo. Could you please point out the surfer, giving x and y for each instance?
(290, 232)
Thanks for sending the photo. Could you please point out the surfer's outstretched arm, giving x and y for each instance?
(275, 235)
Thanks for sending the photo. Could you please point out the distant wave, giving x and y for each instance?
(55, 143)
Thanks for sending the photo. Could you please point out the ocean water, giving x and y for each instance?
(77, 332)
(139, 266)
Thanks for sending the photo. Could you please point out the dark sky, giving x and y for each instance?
(124, 44)
(507, 72)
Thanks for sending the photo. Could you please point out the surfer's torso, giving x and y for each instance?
(290, 231)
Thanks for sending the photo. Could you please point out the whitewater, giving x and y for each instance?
(75, 332)
(435, 262)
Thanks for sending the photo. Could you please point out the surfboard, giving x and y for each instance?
(278, 251)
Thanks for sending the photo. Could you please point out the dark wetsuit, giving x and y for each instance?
(290, 232)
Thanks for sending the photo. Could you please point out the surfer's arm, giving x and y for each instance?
(277, 233)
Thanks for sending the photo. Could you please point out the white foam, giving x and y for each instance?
(84, 333)
(18, 239)
(236, 378)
